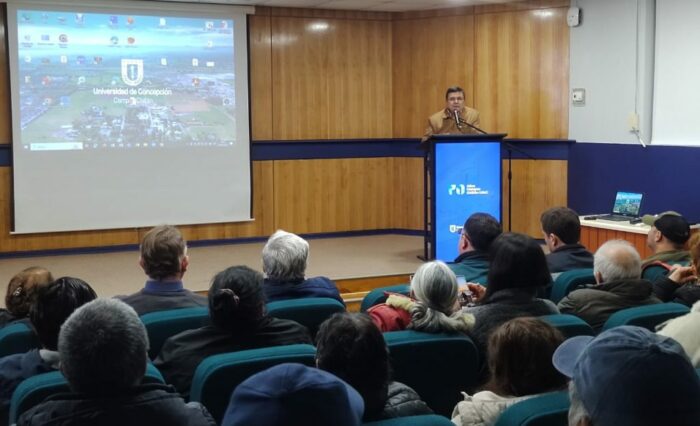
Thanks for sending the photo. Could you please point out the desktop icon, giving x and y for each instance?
(195, 62)
(114, 40)
(131, 40)
(64, 59)
(63, 38)
(164, 61)
(113, 20)
(161, 22)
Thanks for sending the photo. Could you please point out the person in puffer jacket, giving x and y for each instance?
(520, 361)
(432, 307)
(351, 347)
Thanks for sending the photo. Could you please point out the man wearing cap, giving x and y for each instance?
(294, 394)
(629, 376)
(617, 270)
(667, 237)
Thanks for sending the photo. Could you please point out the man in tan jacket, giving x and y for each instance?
(444, 123)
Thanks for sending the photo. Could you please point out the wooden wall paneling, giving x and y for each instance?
(359, 98)
(408, 204)
(299, 83)
(521, 5)
(313, 196)
(5, 116)
(522, 72)
(593, 238)
(261, 96)
(537, 186)
(332, 82)
(442, 55)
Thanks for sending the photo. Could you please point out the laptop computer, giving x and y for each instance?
(626, 207)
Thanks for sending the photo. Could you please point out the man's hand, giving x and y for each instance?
(682, 274)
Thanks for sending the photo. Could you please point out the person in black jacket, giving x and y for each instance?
(562, 230)
(350, 346)
(103, 350)
(238, 322)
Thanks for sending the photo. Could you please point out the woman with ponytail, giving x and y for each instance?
(432, 307)
(238, 322)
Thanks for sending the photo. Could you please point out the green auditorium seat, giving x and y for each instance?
(545, 410)
(377, 296)
(17, 338)
(35, 390)
(164, 324)
(308, 311)
(568, 281)
(648, 316)
(218, 375)
(437, 366)
(569, 325)
(424, 420)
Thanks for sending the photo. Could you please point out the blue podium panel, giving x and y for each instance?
(467, 179)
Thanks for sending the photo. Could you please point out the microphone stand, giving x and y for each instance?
(510, 149)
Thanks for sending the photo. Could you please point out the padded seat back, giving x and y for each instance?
(424, 420)
(437, 366)
(35, 390)
(218, 375)
(17, 338)
(569, 325)
(309, 311)
(551, 409)
(377, 296)
(647, 316)
(568, 281)
(164, 324)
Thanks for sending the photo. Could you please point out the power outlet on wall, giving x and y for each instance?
(578, 97)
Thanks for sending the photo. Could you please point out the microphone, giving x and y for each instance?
(457, 120)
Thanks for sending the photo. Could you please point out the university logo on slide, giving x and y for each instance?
(132, 71)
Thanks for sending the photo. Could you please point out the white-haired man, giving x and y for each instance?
(618, 269)
(284, 260)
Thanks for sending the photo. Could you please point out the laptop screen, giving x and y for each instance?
(627, 203)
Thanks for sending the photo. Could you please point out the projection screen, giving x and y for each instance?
(128, 114)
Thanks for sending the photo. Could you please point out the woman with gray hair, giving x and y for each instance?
(284, 260)
(432, 307)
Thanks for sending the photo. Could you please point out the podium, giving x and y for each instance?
(462, 176)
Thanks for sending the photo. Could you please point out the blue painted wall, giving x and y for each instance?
(668, 177)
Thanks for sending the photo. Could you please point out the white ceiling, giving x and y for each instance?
(373, 5)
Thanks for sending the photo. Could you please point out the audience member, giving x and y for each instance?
(238, 321)
(617, 271)
(284, 260)
(667, 237)
(432, 306)
(53, 304)
(103, 349)
(518, 271)
(351, 347)
(562, 230)
(478, 233)
(164, 259)
(686, 331)
(520, 362)
(681, 283)
(294, 394)
(21, 292)
(629, 376)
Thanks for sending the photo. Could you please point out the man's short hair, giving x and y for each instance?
(630, 376)
(284, 256)
(562, 222)
(482, 229)
(162, 251)
(454, 89)
(54, 303)
(617, 260)
(103, 348)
